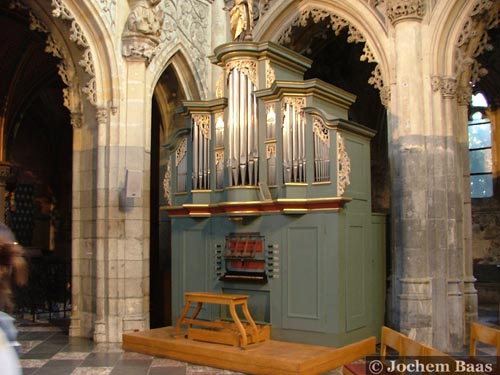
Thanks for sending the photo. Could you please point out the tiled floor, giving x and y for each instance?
(47, 350)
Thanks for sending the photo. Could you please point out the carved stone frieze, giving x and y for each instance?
(399, 10)
(473, 40)
(108, 10)
(337, 24)
(86, 62)
(53, 48)
(187, 22)
(36, 25)
(76, 35)
(60, 11)
(90, 90)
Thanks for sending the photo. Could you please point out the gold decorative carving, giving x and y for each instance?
(180, 153)
(270, 74)
(203, 123)
(320, 129)
(270, 150)
(167, 183)
(219, 87)
(344, 163)
(295, 101)
(247, 67)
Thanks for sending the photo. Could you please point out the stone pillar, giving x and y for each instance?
(450, 336)
(122, 257)
(102, 235)
(469, 290)
(428, 194)
(412, 285)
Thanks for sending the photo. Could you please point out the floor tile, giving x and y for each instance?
(58, 367)
(97, 359)
(94, 371)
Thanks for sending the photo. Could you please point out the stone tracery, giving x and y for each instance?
(337, 24)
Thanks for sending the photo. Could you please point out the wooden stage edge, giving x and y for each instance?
(269, 357)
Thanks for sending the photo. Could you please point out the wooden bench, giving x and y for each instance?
(395, 344)
(390, 339)
(484, 334)
(232, 332)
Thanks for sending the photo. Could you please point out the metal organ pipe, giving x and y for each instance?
(201, 152)
(321, 152)
(242, 156)
(293, 143)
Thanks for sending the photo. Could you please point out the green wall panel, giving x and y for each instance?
(303, 284)
(356, 272)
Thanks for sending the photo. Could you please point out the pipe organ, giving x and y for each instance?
(271, 198)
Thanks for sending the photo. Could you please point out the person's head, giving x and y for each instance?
(13, 266)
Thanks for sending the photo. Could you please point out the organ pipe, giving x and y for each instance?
(242, 158)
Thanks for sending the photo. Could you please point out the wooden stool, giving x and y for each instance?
(234, 333)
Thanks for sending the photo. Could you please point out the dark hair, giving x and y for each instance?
(13, 267)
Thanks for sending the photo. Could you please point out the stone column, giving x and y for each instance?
(464, 96)
(449, 301)
(102, 235)
(124, 261)
(412, 285)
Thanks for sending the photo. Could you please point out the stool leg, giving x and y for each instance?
(249, 318)
(236, 319)
(181, 319)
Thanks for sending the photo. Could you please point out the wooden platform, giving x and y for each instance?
(269, 357)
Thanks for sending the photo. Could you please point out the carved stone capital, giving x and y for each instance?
(102, 116)
(143, 30)
(464, 95)
(449, 87)
(399, 10)
(76, 120)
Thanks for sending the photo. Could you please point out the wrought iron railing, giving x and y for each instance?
(48, 293)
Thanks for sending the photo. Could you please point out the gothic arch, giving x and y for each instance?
(467, 26)
(361, 20)
(185, 69)
(78, 39)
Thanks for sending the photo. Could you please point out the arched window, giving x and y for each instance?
(481, 178)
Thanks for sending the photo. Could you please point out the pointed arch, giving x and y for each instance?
(189, 77)
(466, 25)
(361, 20)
